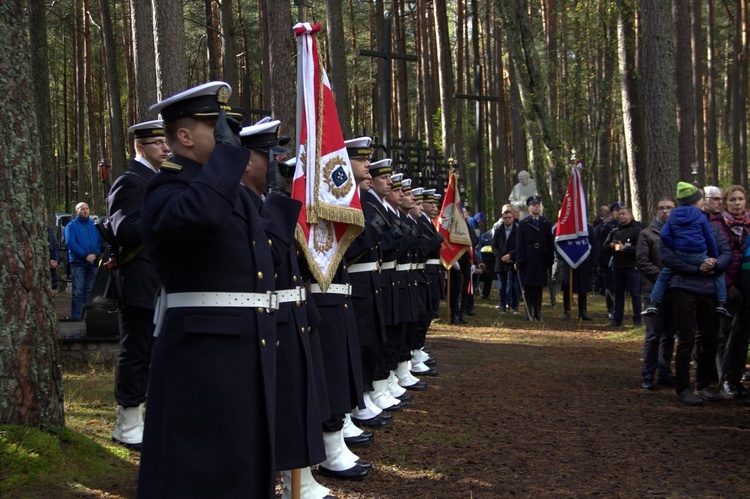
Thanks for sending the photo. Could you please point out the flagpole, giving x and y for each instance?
(302, 15)
(570, 291)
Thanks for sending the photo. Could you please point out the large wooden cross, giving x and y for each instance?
(384, 72)
(478, 98)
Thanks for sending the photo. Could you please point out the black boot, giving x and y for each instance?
(566, 316)
(461, 319)
(583, 315)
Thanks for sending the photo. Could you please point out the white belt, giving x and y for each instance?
(420, 266)
(269, 299)
(292, 295)
(403, 266)
(433, 261)
(333, 289)
(363, 267)
(388, 265)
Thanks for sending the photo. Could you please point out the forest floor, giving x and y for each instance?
(518, 409)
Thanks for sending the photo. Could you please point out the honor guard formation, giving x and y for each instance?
(254, 365)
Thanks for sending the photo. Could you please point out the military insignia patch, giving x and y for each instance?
(222, 96)
(168, 166)
(335, 176)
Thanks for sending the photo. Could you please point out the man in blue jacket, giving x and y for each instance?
(84, 249)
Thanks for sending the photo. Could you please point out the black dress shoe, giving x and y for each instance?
(406, 397)
(647, 384)
(429, 372)
(364, 440)
(385, 417)
(566, 316)
(430, 362)
(355, 473)
(584, 316)
(470, 312)
(376, 422)
(395, 407)
(364, 464)
(419, 386)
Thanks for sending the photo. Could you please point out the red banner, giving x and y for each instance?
(452, 226)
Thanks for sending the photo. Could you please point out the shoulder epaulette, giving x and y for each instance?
(168, 166)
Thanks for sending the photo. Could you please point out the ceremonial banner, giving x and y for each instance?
(572, 235)
(452, 226)
(331, 215)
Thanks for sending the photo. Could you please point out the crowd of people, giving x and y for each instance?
(683, 273)
(252, 367)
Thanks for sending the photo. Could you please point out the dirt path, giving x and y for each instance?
(552, 413)
(556, 411)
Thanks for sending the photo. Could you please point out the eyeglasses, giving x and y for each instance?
(157, 143)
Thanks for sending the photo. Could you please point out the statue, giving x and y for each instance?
(524, 189)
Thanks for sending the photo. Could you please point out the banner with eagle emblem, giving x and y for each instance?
(452, 226)
(331, 215)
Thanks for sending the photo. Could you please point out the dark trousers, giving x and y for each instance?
(695, 319)
(658, 344)
(507, 289)
(134, 357)
(582, 300)
(455, 291)
(533, 301)
(334, 423)
(734, 356)
(627, 279)
(369, 355)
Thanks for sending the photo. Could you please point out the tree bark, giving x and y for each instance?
(144, 61)
(659, 101)
(685, 96)
(445, 77)
(632, 119)
(169, 32)
(696, 43)
(338, 76)
(118, 138)
(42, 108)
(229, 50)
(712, 136)
(282, 49)
(30, 375)
(212, 41)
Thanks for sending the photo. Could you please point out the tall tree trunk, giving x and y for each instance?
(212, 41)
(42, 109)
(445, 77)
(169, 32)
(606, 107)
(30, 375)
(712, 136)
(113, 91)
(635, 146)
(659, 102)
(696, 43)
(229, 50)
(401, 72)
(144, 60)
(80, 116)
(521, 46)
(93, 193)
(426, 57)
(684, 74)
(338, 76)
(519, 158)
(282, 48)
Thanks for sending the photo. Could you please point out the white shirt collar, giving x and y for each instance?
(143, 161)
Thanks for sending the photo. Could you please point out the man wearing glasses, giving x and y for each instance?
(713, 204)
(139, 280)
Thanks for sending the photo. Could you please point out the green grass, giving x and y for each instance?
(74, 461)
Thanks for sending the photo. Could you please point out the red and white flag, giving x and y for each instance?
(331, 215)
(452, 226)
(572, 235)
